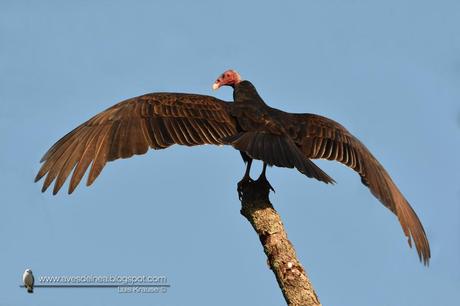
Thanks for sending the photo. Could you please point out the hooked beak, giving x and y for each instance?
(215, 86)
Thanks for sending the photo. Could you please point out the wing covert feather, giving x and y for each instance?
(130, 127)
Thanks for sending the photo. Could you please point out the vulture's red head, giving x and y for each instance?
(229, 78)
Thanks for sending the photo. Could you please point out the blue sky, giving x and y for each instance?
(387, 70)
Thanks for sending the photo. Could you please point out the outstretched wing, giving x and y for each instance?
(156, 120)
(320, 137)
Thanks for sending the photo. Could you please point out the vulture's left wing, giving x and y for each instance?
(130, 127)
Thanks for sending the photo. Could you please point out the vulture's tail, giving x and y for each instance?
(277, 151)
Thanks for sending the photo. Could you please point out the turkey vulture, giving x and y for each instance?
(159, 120)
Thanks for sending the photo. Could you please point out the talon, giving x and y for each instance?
(270, 186)
(262, 179)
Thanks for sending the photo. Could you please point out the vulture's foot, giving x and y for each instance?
(244, 181)
(263, 181)
(254, 192)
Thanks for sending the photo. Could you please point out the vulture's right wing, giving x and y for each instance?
(130, 127)
(320, 137)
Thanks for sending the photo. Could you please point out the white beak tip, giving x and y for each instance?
(215, 86)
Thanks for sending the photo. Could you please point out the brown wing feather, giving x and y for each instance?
(320, 137)
(129, 128)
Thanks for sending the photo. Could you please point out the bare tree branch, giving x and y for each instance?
(292, 278)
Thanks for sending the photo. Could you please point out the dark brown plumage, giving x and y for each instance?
(159, 120)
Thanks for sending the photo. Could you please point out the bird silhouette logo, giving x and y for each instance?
(28, 280)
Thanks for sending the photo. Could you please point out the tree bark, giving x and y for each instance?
(292, 278)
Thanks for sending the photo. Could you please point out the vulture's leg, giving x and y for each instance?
(263, 179)
(246, 178)
(248, 161)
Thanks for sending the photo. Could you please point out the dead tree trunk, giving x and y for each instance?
(292, 278)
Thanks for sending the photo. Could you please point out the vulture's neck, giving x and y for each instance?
(245, 92)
